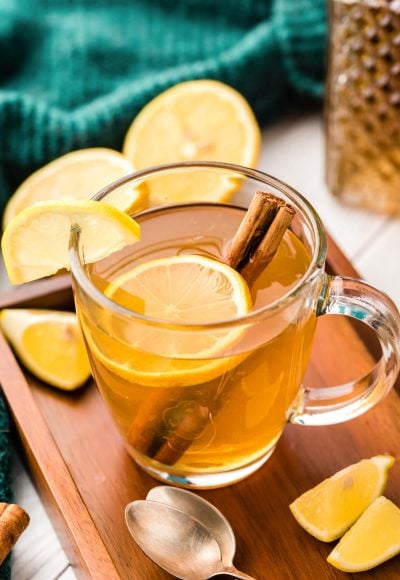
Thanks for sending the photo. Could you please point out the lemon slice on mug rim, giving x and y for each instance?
(35, 242)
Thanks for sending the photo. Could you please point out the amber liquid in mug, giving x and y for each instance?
(240, 402)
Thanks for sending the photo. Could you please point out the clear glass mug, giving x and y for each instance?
(204, 422)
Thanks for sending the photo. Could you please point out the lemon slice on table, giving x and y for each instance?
(329, 509)
(50, 345)
(75, 176)
(187, 289)
(193, 121)
(373, 539)
(35, 242)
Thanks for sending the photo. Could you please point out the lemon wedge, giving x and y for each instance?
(50, 345)
(185, 289)
(35, 242)
(373, 539)
(329, 509)
(75, 176)
(202, 120)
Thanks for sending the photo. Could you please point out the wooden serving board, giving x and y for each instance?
(86, 477)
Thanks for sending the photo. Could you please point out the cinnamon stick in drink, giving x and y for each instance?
(13, 521)
(251, 250)
(146, 434)
(185, 433)
(253, 226)
(269, 244)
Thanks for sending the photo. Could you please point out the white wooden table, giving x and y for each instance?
(293, 150)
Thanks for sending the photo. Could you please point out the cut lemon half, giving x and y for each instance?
(329, 509)
(75, 176)
(203, 120)
(50, 345)
(187, 289)
(35, 242)
(373, 539)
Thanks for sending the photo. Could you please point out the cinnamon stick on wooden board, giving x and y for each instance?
(13, 521)
(251, 250)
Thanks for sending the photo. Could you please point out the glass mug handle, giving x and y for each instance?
(359, 300)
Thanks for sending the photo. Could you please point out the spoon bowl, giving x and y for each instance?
(177, 541)
(204, 512)
(174, 540)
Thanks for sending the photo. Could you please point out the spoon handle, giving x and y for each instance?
(231, 574)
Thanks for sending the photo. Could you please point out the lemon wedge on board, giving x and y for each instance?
(329, 509)
(373, 539)
(49, 344)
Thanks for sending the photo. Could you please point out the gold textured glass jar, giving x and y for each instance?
(363, 103)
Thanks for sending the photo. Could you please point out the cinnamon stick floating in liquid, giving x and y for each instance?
(251, 250)
(146, 434)
(13, 521)
(269, 244)
(252, 228)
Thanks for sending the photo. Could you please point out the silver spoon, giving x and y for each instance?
(202, 510)
(177, 542)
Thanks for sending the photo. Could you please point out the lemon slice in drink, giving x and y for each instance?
(49, 343)
(373, 539)
(329, 509)
(78, 175)
(202, 120)
(183, 289)
(35, 242)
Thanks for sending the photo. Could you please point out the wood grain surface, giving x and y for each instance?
(86, 477)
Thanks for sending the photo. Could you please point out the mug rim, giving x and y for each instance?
(316, 264)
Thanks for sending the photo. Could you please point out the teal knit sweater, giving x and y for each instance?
(74, 73)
